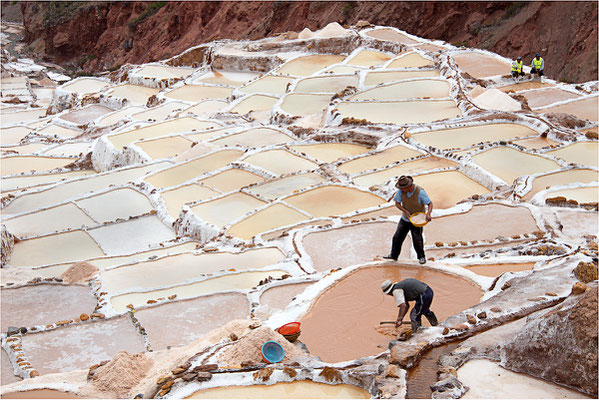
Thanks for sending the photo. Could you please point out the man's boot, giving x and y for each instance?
(432, 318)
(416, 322)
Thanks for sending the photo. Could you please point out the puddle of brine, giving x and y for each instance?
(536, 142)
(223, 211)
(545, 97)
(231, 179)
(324, 201)
(305, 104)
(587, 108)
(498, 269)
(60, 131)
(166, 147)
(25, 164)
(406, 90)
(86, 114)
(197, 93)
(273, 216)
(284, 390)
(163, 72)
(256, 137)
(329, 152)
(280, 162)
(207, 107)
(400, 112)
(41, 394)
(268, 84)
(481, 65)
(19, 182)
(379, 160)
(159, 113)
(176, 198)
(410, 60)
(84, 86)
(369, 58)
(133, 93)
(561, 178)
(285, 186)
(13, 135)
(326, 84)
(341, 325)
(391, 35)
(376, 77)
(424, 374)
(584, 153)
(581, 195)
(255, 102)
(119, 115)
(306, 66)
(119, 203)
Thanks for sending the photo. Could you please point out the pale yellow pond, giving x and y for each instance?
(13, 135)
(284, 186)
(269, 84)
(378, 77)
(120, 203)
(585, 153)
(170, 146)
(224, 210)
(133, 93)
(176, 198)
(329, 152)
(587, 108)
(307, 65)
(231, 179)
(164, 72)
(379, 160)
(22, 116)
(280, 162)
(326, 84)
(85, 86)
(25, 164)
(369, 58)
(66, 216)
(207, 107)
(421, 88)
(159, 113)
(400, 112)
(324, 201)
(120, 115)
(390, 35)
(410, 60)
(256, 137)
(305, 104)
(197, 93)
(255, 102)
(18, 182)
(481, 65)
(561, 178)
(447, 188)
(535, 142)
(581, 195)
(61, 131)
(272, 217)
(291, 390)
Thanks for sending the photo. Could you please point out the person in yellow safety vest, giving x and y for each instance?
(517, 68)
(537, 65)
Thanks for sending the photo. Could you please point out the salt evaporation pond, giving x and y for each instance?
(163, 72)
(391, 35)
(561, 178)
(132, 93)
(257, 137)
(369, 58)
(13, 135)
(410, 60)
(424, 88)
(26, 164)
(255, 102)
(307, 65)
(85, 86)
(195, 93)
(400, 112)
(509, 164)
(285, 390)
(481, 65)
(53, 129)
(271, 84)
(166, 147)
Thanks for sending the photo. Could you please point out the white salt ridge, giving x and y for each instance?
(495, 99)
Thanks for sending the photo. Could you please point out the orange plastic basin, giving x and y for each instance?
(289, 329)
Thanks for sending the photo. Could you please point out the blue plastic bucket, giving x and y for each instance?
(272, 352)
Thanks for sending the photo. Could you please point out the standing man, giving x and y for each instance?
(411, 290)
(517, 68)
(537, 65)
(409, 199)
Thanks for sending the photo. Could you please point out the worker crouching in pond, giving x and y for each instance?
(537, 66)
(409, 199)
(517, 68)
(411, 290)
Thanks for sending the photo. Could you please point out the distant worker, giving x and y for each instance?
(517, 68)
(409, 199)
(537, 65)
(411, 290)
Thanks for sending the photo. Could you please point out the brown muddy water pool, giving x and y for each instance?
(424, 374)
(284, 390)
(342, 323)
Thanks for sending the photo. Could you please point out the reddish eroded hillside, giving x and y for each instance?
(92, 35)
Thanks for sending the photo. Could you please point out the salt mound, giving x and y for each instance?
(332, 29)
(79, 272)
(248, 348)
(495, 99)
(122, 374)
(305, 34)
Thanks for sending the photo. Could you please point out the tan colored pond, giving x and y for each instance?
(255, 102)
(326, 84)
(18, 182)
(177, 198)
(323, 201)
(120, 203)
(159, 113)
(69, 246)
(307, 65)
(170, 146)
(70, 149)
(60, 131)
(256, 137)
(391, 35)
(120, 115)
(494, 270)
(231, 179)
(535, 84)
(284, 390)
(229, 78)
(408, 168)
(197, 93)
(178, 125)
(344, 69)
(447, 188)
(428, 88)
(133, 93)
(537, 142)
(26, 164)
(272, 217)
(481, 65)
(164, 72)
(369, 58)
(181, 268)
(279, 297)
(85, 86)
(276, 188)
(305, 104)
(341, 325)
(269, 84)
(86, 114)
(379, 160)
(280, 162)
(231, 282)
(585, 153)
(26, 148)
(410, 60)
(581, 195)
(545, 97)
(468, 136)
(41, 394)
(378, 77)
(48, 221)
(185, 171)
(587, 108)
(207, 107)
(13, 135)
(224, 210)
(401, 112)
(561, 178)
(22, 116)
(329, 152)
(508, 164)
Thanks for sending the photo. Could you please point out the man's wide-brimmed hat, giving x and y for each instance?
(404, 182)
(386, 286)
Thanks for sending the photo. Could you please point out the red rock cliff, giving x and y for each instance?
(91, 35)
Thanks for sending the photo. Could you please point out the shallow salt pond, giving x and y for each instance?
(163, 72)
(561, 178)
(120, 203)
(272, 217)
(48, 221)
(545, 97)
(120, 115)
(509, 164)
(587, 108)
(256, 137)
(207, 107)
(410, 60)
(178, 125)
(487, 380)
(41, 394)
(422, 88)
(19, 182)
(585, 153)
(133, 93)
(534, 84)
(494, 270)
(177, 198)
(280, 162)
(22, 116)
(329, 152)
(480, 65)
(86, 114)
(231, 179)
(324, 201)
(229, 78)
(271, 84)
(379, 160)
(369, 58)
(170, 146)
(378, 77)
(85, 86)
(16, 165)
(279, 297)
(255, 102)
(326, 84)
(344, 69)
(53, 249)
(195, 93)
(180, 173)
(284, 186)
(407, 168)
(65, 133)
(305, 104)
(391, 35)
(70, 149)
(13, 135)
(227, 283)
(468, 136)
(159, 113)
(400, 112)
(284, 390)
(581, 195)
(27, 148)
(536, 142)
(224, 210)
(341, 325)
(307, 65)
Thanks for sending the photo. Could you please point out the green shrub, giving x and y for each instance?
(150, 10)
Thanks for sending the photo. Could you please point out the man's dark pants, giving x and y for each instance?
(400, 235)
(422, 307)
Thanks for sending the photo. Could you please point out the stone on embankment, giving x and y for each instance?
(578, 288)
(586, 272)
(405, 355)
(559, 345)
